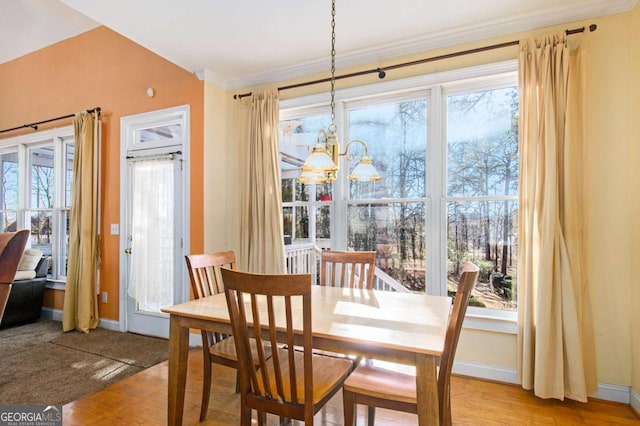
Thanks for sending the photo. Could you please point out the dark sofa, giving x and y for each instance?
(24, 304)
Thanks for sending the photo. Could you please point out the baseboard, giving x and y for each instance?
(52, 314)
(56, 315)
(486, 372)
(607, 392)
(108, 324)
(635, 401)
(195, 339)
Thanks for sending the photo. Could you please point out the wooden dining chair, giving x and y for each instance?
(204, 274)
(390, 388)
(347, 269)
(291, 384)
(12, 246)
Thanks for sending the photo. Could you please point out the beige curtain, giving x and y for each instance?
(553, 328)
(80, 297)
(261, 233)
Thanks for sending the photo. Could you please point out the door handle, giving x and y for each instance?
(127, 251)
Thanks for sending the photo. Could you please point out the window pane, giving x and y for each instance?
(41, 227)
(41, 175)
(397, 233)
(9, 221)
(287, 190)
(168, 133)
(396, 136)
(62, 270)
(302, 192)
(9, 181)
(302, 223)
(485, 232)
(324, 192)
(296, 139)
(323, 222)
(287, 217)
(482, 143)
(68, 173)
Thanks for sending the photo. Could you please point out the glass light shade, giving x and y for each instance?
(319, 161)
(313, 178)
(364, 171)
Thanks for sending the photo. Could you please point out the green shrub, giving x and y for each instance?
(474, 301)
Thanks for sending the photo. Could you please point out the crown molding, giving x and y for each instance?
(210, 77)
(514, 25)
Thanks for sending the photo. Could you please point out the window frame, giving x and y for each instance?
(436, 87)
(58, 139)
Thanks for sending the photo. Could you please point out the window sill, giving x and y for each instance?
(491, 320)
(56, 284)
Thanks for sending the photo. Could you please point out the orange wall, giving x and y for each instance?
(102, 68)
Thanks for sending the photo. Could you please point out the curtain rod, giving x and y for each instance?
(34, 126)
(382, 74)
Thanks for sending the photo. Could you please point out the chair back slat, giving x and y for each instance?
(204, 272)
(272, 326)
(348, 269)
(205, 279)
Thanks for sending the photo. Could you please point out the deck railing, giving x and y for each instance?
(304, 258)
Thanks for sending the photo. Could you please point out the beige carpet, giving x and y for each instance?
(43, 365)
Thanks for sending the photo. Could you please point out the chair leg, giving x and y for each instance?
(262, 418)
(348, 406)
(237, 381)
(206, 385)
(245, 415)
(371, 415)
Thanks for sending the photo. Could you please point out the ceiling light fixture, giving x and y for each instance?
(321, 166)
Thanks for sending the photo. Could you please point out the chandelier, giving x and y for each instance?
(321, 166)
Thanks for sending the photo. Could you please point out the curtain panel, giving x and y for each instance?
(152, 231)
(554, 343)
(80, 310)
(261, 232)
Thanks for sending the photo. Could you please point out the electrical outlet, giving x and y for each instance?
(104, 297)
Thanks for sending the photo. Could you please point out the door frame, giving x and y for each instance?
(128, 126)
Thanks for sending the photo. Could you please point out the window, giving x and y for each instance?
(446, 146)
(306, 208)
(35, 192)
(482, 191)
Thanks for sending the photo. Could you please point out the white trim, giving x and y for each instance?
(195, 339)
(56, 139)
(614, 393)
(109, 324)
(449, 38)
(635, 401)
(412, 84)
(52, 314)
(491, 320)
(210, 77)
(434, 88)
(486, 372)
(606, 392)
(56, 315)
(56, 285)
(179, 114)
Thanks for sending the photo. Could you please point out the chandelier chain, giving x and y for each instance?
(333, 127)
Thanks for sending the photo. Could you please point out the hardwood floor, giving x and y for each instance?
(142, 400)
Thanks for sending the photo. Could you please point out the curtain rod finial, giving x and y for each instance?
(592, 27)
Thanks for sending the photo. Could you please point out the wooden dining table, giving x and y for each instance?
(399, 327)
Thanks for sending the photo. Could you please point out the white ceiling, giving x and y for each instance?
(244, 42)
